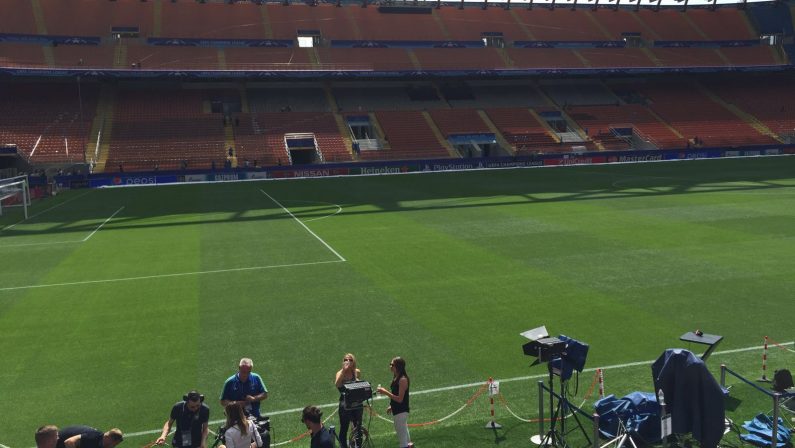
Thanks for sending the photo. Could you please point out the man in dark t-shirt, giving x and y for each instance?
(192, 417)
(321, 437)
(88, 437)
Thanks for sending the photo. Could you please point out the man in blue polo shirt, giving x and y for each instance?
(245, 387)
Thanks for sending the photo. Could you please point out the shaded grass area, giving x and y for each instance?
(444, 270)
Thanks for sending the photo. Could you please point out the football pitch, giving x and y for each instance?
(115, 302)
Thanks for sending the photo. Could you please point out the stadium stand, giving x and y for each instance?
(669, 24)
(470, 23)
(211, 20)
(89, 18)
(14, 54)
(522, 130)
(459, 58)
(47, 122)
(17, 18)
(689, 57)
(699, 118)
(616, 57)
(770, 100)
(83, 56)
(458, 121)
(598, 121)
(749, 56)
(242, 58)
(374, 25)
(261, 136)
(560, 25)
(332, 22)
(409, 136)
(722, 24)
(365, 58)
(164, 57)
(363, 97)
(164, 128)
(544, 58)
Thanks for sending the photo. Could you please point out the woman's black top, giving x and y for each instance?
(399, 408)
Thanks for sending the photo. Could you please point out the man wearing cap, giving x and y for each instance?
(245, 387)
(192, 417)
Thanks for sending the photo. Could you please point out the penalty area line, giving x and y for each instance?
(159, 276)
(304, 225)
(103, 223)
(469, 385)
(64, 242)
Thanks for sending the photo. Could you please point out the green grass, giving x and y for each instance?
(443, 269)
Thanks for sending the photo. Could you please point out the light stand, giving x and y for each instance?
(567, 355)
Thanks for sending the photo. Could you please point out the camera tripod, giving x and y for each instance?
(558, 413)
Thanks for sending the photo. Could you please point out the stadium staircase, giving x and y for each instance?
(354, 24)
(438, 134)
(221, 59)
(597, 24)
(342, 127)
(38, 16)
(582, 59)
(650, 54)
(379, 130)
(746, 117)
(120, 54)
(506, 59)
(266, 23)
(157, 18)
(101, 129)
(497, 134)
(523, 25)
(415, 62)
(440, 24)
(41, 28)
(229, 135)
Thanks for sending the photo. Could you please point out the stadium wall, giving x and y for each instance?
(413, 166)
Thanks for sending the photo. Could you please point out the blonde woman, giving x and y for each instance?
(348, 373)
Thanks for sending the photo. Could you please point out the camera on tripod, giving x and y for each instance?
(263, 427)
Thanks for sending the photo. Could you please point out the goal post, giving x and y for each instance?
(15, 192)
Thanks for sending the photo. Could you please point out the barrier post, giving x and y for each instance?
(595, 430)
(601, 375)
(764, 364)
(723, 376)
(539, 439)
(494, 389)
(774, 437)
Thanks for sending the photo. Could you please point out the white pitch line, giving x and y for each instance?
(103, 223)
(339, 209)
(4, 446)
(178, 274)
(45, 211)
(480, 383)
(3, 246)
(304, 226)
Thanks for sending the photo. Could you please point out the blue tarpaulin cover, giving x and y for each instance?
(639, 412)
(693, 397)
(760, 432)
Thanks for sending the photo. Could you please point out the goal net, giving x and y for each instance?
(14, 192)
